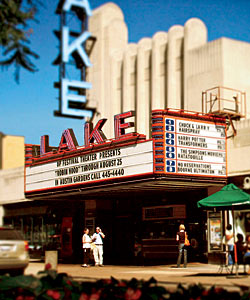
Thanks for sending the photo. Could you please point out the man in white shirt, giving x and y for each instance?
(97, 238)
(230, 243)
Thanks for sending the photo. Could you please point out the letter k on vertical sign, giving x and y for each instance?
(72, 100)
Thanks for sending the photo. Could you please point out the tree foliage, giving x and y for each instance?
(14, 34)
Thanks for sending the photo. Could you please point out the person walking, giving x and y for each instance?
(97, 238)
(230, 243)
(246, 257)
(180, 238)
(86, 245)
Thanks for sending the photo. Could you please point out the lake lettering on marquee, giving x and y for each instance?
(91, 135)
(72, 92)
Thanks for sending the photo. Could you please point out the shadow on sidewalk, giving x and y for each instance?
(216, 275)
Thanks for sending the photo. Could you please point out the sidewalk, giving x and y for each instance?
(167, 275)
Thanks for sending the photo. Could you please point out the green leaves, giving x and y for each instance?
(51, 285)
(14, 34)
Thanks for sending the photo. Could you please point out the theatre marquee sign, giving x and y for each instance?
(99, 160)
(189, 144)
(94, 167)
(181, 146)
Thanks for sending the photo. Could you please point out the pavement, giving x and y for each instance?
(166, 275)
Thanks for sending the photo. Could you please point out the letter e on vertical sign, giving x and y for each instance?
(66, 96)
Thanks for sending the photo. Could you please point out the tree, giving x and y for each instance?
(15, 32)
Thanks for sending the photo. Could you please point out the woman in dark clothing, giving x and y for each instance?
(180, 238)
(86, 244)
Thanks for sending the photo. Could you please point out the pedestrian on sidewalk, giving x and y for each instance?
(86, 245)
(180, 238)
(97, 238)
(230, 243)
(246, 257)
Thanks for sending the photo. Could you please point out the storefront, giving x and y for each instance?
(47, 226)
(137, 190)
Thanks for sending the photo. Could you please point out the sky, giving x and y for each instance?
(27, 108)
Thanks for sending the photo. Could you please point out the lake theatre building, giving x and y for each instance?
(169, 126)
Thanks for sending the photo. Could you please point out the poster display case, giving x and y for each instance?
(215, 232)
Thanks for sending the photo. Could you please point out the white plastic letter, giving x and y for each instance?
(76, 45)
(66, 97)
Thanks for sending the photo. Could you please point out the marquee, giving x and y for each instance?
(92, 167)
(182, 145)
(189, 144)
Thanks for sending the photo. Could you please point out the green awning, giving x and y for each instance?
(228, 197)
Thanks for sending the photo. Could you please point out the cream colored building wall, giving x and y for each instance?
(129, 77)
(238, 146)
(159, 70)
(12, 151)
(204, 70)
(108, 26)
(12, 172)
(169, 70)
(143, 87)
(11, 188)
(174, 65)
(116, 88)
(12, 185)
(224, 62)
(236, 67)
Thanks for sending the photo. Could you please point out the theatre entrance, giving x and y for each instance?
(141, 229)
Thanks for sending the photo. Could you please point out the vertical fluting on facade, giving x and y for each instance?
(108, 26)
(129, 78)
(159, 71)
(195, 36)
(175, 67)
(155, 73)
(143, 94)
(116, 75)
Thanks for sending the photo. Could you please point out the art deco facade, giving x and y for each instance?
(169, 70)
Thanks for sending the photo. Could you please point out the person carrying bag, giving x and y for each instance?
(186, 243)
(183, 242)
